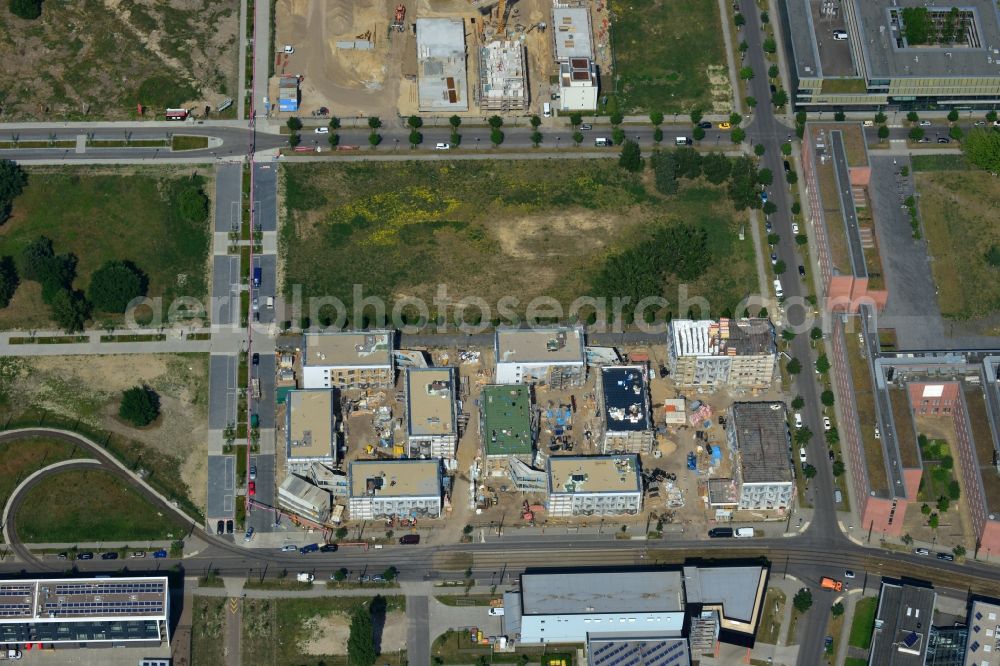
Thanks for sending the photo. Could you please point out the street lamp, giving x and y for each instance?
(477, 143)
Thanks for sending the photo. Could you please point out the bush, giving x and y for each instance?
(496, 136)
(794, 366)
(416, 138)
(12, 182)
(192, 204)
(140, 406)
(803, 600)
(982, 149)
(115, 284)
(798, 403)
(631, 157)
(837, 609)
(827, 398)
(26, 9)
(8, 280)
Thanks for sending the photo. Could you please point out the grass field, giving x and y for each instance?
(959, 212)
(208, 627)
(491, 230)
(939, 163)
(275, 631)
(90, 59)
(770, 623)
(100, 215)
(19, 458)
(667, 54)
(863, 623)
(936, 477)
(855, 661)
(90, 505)
(456, 647)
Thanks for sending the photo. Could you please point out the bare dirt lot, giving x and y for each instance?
(88, 388)
(99, 58)
(328, 634)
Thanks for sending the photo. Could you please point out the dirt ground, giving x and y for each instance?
(87, 59)
(329, 634)
(356, 83)
(88, 388)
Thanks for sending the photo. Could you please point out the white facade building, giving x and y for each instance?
(578, 85)
(348, 360)
(431, 413)
(594, 485)
(555, 356)
(403, 488)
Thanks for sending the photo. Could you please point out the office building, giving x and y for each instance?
(400, 488)
(348, 360)
(594, 485)
(431, 413)
(554, 356)
(902, 624)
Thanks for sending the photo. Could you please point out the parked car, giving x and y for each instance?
(763, 196)
(947, 557)
(848, 574)
(724, 125)
(63, 555)
(253, 472)
(289, 548)
(720, 532)
(496, 611)
(288, 49)
(798, 419)
(220, 527)
(409, 539)
(229, 527)
(827, 426)
(921, 551)
(830, 454)
(788, 166)
(774, 259)
(84, 556)
(795, 228)
(924, 140)
(109, 556)
(767, 227)
(378, 578)
(943, 139)
(838, 496)
(925, 123)
(878, 435)
(310, 548)
(159, 554)
(256, 358)
(802, 270)
(137, 554)
(305, 577)
(322, 130)
(442, 146)
(586, 126)
(802, 455)
(328, 548)
(364, 578)
(705, 124)
(251, 489)
(248, 535)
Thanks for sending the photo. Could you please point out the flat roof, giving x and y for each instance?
(648, 651)
(762, 438)
(604, 592)
(571, 31)
(441, 66)
(726, 337)
(594, 474)
(737, 589)
(506, 423)
(348, 349)
(984, 633)
(61, 599)
(902, 625)
(902, 423)
(626, 398)
(396, 478)
(430, 396)
(310, 430)
(887, 55)
(558, 344)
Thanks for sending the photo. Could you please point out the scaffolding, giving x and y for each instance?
(502, 77)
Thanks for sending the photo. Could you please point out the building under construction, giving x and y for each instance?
(503, 84)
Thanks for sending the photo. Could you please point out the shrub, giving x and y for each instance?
(26, 9)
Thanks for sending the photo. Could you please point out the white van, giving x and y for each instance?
(602, 141)
(743, 532)
(270, 302)
(547, 110)
(778, 291)
(682, 141)
(304, 577)
(839, 35)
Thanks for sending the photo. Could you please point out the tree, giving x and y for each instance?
(455, 138)
(618, 136)
(361, 641)
(8, 280)
(340, 575)
(773, 71)
(786, 149)
(333, 139)
(575, 119)
(838, 467)
(765, 177)
(535, 121)
(751, 101)
(883, 133)
(991, 116)
(759, 150)
(416, 138)
(40, 263)
(770, 208)
(374, 138)
(954, 490)
(716, 168)
(616, 118)
(907, 539)
(696, 116)
(959, 550)
(779, 98)
(739, 20)
(880, 118)
(956, 133)
(794, 366)
(916, 133)
(744, 46)
(788, 335)
(746, 73)
(791, 177)
(913, 117)
(802, 436)
(839, 116)
(737, 135)
(780, 267)
(294, 139)
(12, 182)
(942, 504)
(823, 364)
(656, 117)
(774, 239)
(415, 122)
(496, 136)
(699, 133)
(294, 124)
(808, 471)
(837, 609)
(536, 138)
(140, 406)
(953, 116)
(334, 123)
(798, 403)
(769, 45)
(578, 137)
(658, 134)
(735, 119)
(803, 600)
(765, 18)
(26, 9)
(816, 333)
(933, 521)
(341, 532)
(390, 574)
(796, 208)
(827, 398)
(374, 123)
(115, 284)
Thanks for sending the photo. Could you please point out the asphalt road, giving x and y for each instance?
(222, 397)
(265, 195)
(228, 189)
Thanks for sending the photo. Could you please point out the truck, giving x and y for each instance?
(255, 388)
(256, 276)
(831, 584)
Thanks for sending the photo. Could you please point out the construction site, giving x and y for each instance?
(470, 58)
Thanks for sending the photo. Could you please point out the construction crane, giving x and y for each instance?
(502, 7)
(501, 17)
